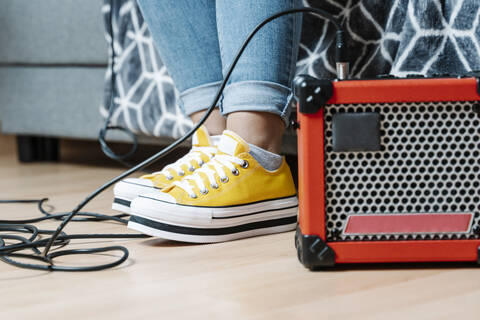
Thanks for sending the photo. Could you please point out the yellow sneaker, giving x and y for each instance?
(203, 149)
(231, 197)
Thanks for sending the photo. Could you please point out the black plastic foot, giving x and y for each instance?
(36, 149)
(313, 252)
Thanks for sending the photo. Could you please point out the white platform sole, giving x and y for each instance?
(212, 224)
(185, 237)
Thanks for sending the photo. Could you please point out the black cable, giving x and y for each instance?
(34, 241)
(59, 238)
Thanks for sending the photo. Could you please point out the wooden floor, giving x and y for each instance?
(257, 278)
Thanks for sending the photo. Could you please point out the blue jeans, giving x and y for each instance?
(198, 39)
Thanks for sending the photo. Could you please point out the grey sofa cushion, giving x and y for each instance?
(57, 102)
(52, 31)
(51, 101)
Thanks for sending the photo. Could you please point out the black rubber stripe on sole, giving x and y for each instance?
(122, 202)
(213, 231)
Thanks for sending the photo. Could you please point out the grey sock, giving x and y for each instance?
(268, 160)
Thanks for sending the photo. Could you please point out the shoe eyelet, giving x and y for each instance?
(201, 163)
(245, 164)
(170, 178)
(181, 173)
(191, 169)
(204, 191)
(224, 180)
(194, 196)
(215, 186)
(235, 172)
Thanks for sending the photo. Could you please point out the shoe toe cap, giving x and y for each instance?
(152, 204)
(132, 187)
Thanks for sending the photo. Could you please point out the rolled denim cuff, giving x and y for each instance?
(198, 98)
(263, 96)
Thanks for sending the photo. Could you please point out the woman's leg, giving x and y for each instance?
(259, 90)
(185, 34)
(244, 190)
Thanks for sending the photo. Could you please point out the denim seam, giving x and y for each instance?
(256, 81)
(193, 91)
(285, 115)
(283, 112)
(293, 64)
(293, 26)
(189, 90)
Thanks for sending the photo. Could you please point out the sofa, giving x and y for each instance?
(54, 56)
(52, 68)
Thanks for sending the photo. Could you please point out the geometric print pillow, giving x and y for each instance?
(399, 37)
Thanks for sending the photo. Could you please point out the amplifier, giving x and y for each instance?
(389, 170)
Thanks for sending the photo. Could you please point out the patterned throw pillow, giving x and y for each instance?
(400, 37)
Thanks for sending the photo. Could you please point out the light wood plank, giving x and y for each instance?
(258, 278)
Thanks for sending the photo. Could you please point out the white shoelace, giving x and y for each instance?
(219, 162)
(194, 154)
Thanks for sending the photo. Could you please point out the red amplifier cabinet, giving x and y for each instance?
(389, 170)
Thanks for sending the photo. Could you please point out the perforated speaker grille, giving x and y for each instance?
(429, 163)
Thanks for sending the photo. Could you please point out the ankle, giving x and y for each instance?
(264, 130)
(215, 123)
